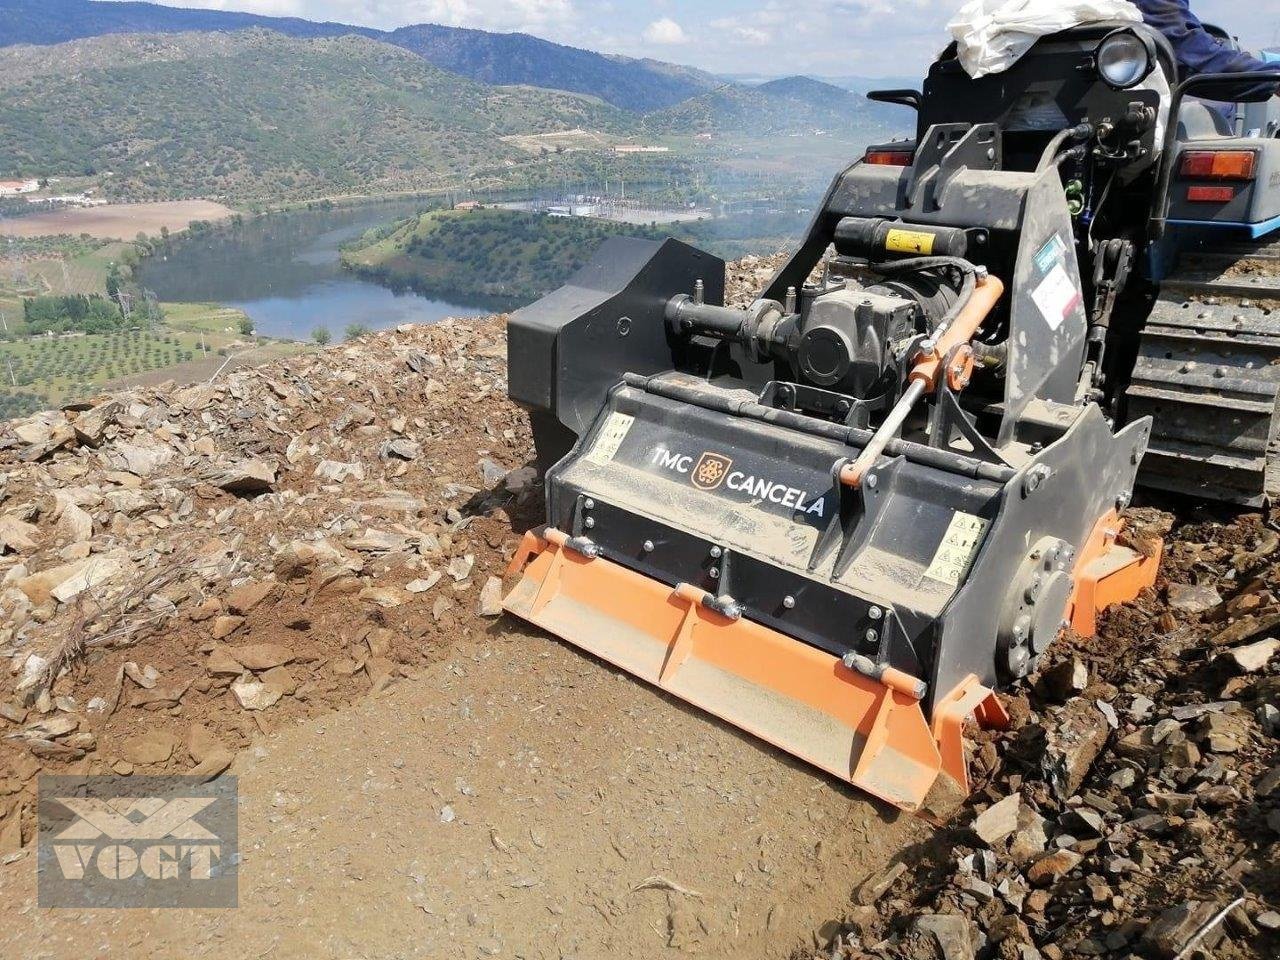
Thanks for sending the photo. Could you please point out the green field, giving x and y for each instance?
(56, 369)
(52, 265)
(37, 372)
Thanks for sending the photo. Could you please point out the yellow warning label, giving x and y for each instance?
(958, 549)
(610, 438)
(909, 241)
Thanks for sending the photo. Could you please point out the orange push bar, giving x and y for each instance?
(950, 348)
(870, 731)
(962, 330)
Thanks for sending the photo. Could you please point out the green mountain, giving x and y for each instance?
(507, 58)
(494, 58)
(260, 115)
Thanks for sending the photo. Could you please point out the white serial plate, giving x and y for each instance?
(606, 445)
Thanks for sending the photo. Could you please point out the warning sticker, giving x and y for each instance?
(909, 241)
(958, 549)
(1057, 296)
(610, 438)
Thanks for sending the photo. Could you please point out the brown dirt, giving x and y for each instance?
(115, 221)
(571, 787)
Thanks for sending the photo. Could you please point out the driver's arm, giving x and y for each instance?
(1198, 51)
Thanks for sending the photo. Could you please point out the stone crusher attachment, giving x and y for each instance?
(844, 516)
(785, 516)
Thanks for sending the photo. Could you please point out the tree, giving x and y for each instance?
(114, 279)
(245, 326)
(321, 335)
(355, 330)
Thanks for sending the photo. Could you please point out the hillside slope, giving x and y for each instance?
(256, 114)
(45, 22)
(793, 106)
(514, 58)
(508, 58)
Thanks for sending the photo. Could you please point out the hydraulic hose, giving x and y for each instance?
(1049, 158)
(968, 283)
(925, 377)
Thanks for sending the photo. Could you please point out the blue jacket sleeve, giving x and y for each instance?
(1197, 50)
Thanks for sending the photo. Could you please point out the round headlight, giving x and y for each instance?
(1124, 59)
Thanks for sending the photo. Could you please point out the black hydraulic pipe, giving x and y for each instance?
(969, 283)
(1082, 131)
(916, 453)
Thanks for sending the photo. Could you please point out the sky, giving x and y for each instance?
(870, 38)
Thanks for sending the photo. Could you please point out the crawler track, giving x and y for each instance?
(1208, 373)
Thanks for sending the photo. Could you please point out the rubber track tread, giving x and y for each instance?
(1208, 374)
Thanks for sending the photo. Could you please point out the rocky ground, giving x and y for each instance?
(189, 573)
(1133, 809)
(184, 568)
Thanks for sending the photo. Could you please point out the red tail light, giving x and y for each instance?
(1220, 164)
(1211, 194)
(889, 158)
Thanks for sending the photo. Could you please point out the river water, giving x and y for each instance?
(283, 271)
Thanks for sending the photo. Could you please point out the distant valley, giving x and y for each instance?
(303, 139)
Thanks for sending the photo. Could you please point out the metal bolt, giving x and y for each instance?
(1034, 478)
(589, 504)
(647, 546)
(589, 522)
(872, 636)
(875, 613)
(789, 602)
(872, 480)
(715, 573)
(716, 553)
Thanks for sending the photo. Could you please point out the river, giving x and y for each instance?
(283, 271)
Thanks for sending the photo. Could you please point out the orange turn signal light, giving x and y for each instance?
(1211, 194)
(1220, 164)
(889, 158)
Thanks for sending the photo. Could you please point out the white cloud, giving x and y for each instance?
(503, 15)
(744, 33)
(665, 32)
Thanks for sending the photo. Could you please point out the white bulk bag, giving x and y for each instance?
(993, 34)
